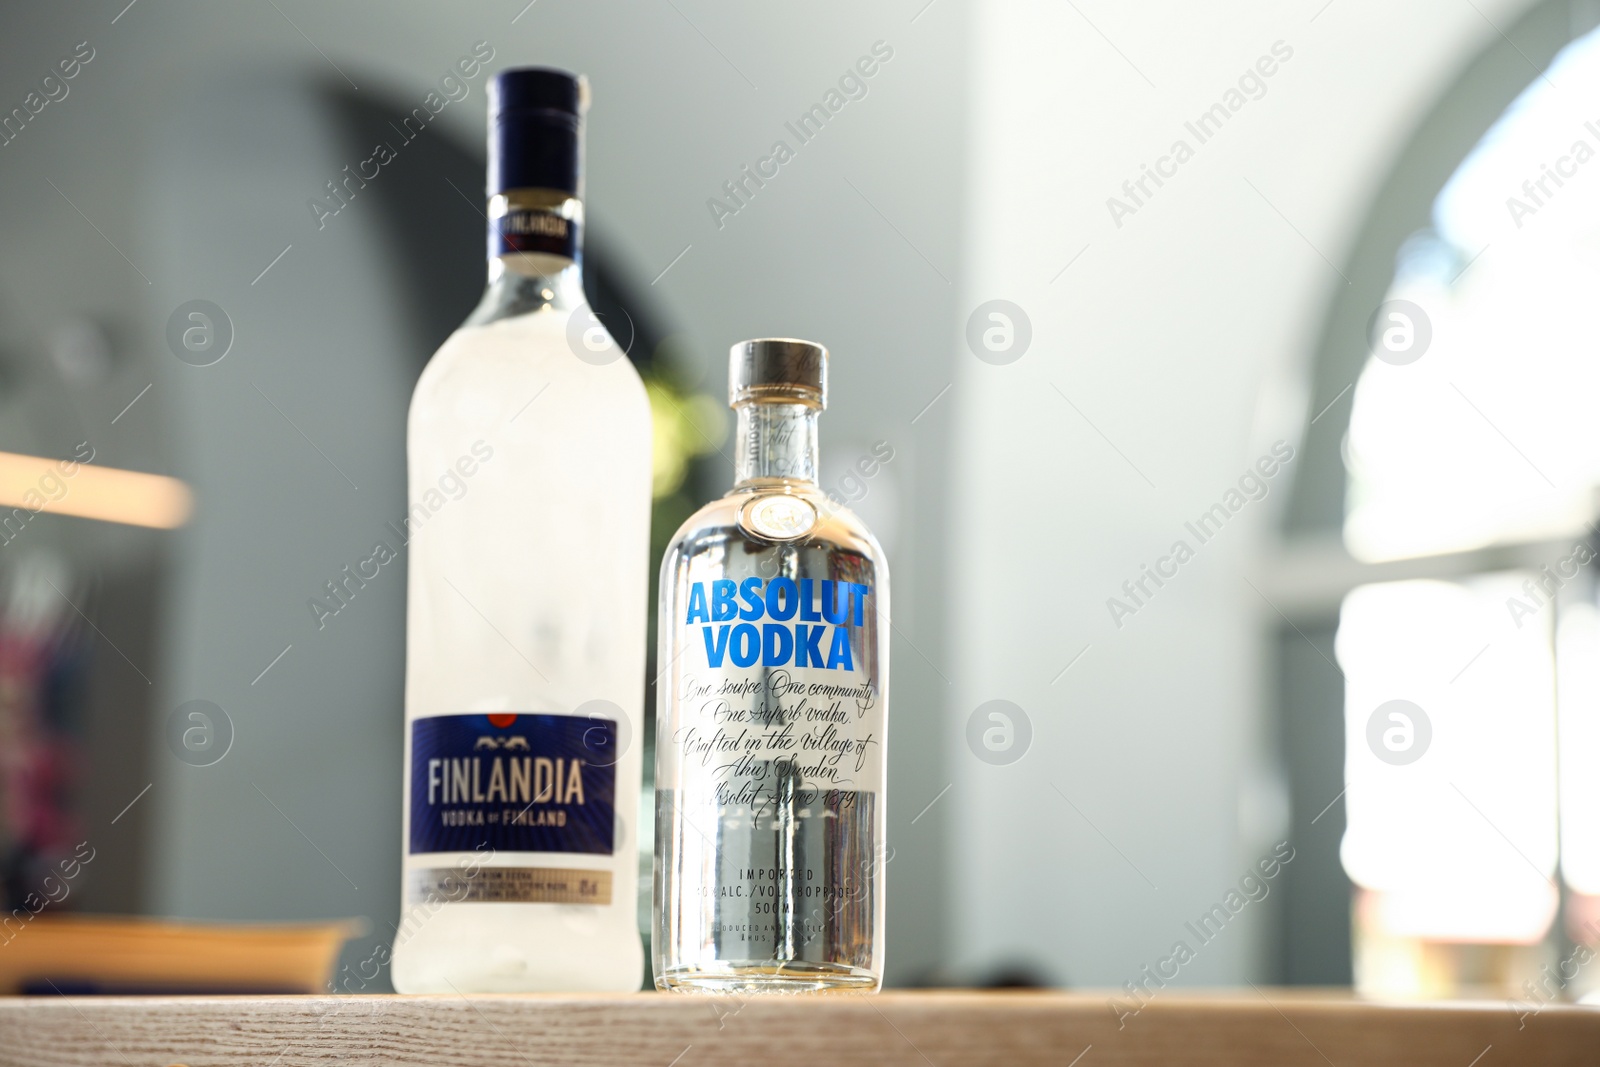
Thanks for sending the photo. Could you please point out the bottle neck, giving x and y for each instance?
(535, 254)
(776, 442)
(521, 288)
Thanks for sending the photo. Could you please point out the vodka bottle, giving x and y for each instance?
(529, 491)
(771, 713)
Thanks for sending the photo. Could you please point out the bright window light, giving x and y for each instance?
(1578, 674)
(1485, 437)
(1451, 796)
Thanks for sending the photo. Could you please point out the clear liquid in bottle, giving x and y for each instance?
(771, 713)
(529, 489)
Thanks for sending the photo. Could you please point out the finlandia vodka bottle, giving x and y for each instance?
(529, 492)
(771, 713)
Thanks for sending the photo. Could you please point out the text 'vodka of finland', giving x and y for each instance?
(771, 711)
(529, 493)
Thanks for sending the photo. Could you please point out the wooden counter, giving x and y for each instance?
(936, 1029)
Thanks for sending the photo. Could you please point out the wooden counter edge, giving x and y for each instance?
(942, 1028)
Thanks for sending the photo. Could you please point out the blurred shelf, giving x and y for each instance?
(942, 1029)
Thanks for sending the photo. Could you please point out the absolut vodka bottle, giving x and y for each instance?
(529, 491)
(771, 713)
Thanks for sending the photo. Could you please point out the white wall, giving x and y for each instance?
(1181, 338)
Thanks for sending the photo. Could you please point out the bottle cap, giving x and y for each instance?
(778, 368)
(536, 130)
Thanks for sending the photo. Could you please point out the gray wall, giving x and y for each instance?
(193, 140)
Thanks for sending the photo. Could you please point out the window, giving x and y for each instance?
(1470, 426)
(1459, 607)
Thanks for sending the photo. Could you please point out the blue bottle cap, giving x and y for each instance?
(536, 130)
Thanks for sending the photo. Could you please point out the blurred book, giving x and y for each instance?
(88, 954)
(44, 670)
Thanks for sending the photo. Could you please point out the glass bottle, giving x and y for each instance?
(528, 530)
(771, 711)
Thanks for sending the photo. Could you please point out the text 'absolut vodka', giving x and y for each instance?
(778, 643)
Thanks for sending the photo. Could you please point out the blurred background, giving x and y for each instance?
(1236, 363)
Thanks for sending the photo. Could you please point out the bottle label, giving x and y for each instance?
(508, 885)
(770, 780)
(777, 702)
(533, 229)
(513, 783)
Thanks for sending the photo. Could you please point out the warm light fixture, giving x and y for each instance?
(38, 485)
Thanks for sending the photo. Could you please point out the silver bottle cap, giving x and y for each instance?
(778, 368)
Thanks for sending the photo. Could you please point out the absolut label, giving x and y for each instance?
(775, 701)
(803, 628)
(541, 230)
(513, 783)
